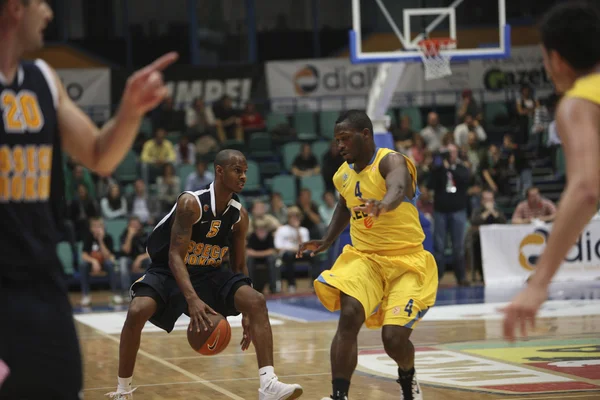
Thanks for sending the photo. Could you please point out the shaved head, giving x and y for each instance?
(227, 156)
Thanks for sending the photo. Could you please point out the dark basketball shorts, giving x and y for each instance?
(38, 341)
(216, 288)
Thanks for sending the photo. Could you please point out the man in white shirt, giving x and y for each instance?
(433, 132)
(287, 241)
(461, 132)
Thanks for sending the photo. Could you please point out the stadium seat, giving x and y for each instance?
(275, 119)
(494, 110)
(269, 168)
(261, 144)
(286, 186)
(327, 123)
(183, 171)
(304, 122)
(289, 152)
(146, 127)
(319, 149)
(127, 171)
(416, 120)
(174, 137)
(316, 186)
(252, 177)
(65, 254)
(235, 145)
(115, 228)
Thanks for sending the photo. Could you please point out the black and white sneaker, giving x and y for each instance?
(410, 388)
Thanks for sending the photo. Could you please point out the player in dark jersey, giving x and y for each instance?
(186, 275)
(38, 342)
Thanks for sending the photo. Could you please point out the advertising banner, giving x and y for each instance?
(90, 89)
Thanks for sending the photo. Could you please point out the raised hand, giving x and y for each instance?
(314, 246)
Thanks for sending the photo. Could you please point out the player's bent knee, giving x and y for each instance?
(352, 314)
(394, 337)
(141, 310)
(248, 300)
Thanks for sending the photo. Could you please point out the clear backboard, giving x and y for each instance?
(478, 27)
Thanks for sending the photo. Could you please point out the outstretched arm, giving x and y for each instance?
(187, 213)
(579, 127)
(238, 254)
(102, 150)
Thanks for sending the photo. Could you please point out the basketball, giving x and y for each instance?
(214, 340)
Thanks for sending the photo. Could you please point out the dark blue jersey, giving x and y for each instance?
(31, 174)
(211, 234)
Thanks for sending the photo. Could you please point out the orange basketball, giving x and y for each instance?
(214, 340)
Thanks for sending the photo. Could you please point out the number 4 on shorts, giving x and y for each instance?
(408, 307)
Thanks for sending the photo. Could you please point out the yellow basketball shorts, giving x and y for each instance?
(393, 290)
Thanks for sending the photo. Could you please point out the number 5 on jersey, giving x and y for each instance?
(214, 229)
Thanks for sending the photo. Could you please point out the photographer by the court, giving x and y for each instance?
(449, 181)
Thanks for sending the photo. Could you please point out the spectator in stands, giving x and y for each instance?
(98, 255)
(168, 187)
(469, 106)
(535, 207)
(461, 132)
(277, 208)
(83, 207)
(287, 242)
(525, 106)
(473, 152)
(79, 176)
(417, 150)
(305, 163)
(332, 160)
(261, 251)
(542, 117)
(259, 214)
(113, 205)
(141, 205)
(252, 121)
(449, 182)
(425, 202)
(494, 172)
(185, 152)
(168, 117)
(311, 219)
(424, 169)
(327, 208)
(200, 178)
(487, 214)
(403, 135)
(134, 258)
(199, 119)
(156, 153)
(433, 132)
(229, 125)
(517, 163)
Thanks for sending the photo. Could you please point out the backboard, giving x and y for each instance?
(478, 26)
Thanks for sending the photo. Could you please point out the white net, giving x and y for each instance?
(435, 58)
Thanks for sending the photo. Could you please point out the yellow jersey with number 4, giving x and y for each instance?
(587, 87)
(395, 232)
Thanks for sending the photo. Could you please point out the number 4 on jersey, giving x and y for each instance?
(409, 307)
(357, 191)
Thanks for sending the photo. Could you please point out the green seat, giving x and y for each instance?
(115, 228)
(274, 119)
(183, 171)
(561, 165)
(235, 145)
(286, 186)
(316, 186)
(174, 137)
(252, 177)
(127, 170)
(393, 117)
(307, 137)
(327, 123)
(65, 254)
(261, 144)
(146, 127)
(319, 149)
(493, 110)
(304, 122)
(269, 168)
(416, 120)
(290, 151)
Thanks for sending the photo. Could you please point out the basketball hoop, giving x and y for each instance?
(435, 58)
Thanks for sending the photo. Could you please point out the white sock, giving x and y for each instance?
(124, 384)
(266, 374)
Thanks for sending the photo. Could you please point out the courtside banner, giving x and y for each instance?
(90, 89)
(510, 253)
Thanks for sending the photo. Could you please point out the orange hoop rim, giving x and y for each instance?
(431, 46)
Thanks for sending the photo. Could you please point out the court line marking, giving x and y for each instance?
(180, 370)
(572, 396)
(284, 316)
(213, 380)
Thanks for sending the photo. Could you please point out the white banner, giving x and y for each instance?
(89, 89)
(510, 252)
(336, 83)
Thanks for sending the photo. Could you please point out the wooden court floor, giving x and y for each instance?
(456, 359)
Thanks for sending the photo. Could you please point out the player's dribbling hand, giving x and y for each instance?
(199, 311)
(314, 246)
(246, 337)
(145, 89)
(523, 310)
(371, 207)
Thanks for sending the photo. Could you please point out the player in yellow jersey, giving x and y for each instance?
(570, 35)
(385, 278)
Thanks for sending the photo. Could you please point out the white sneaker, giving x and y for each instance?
(121, 395)
(416, 393)
(276, 390)
(86, 301)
